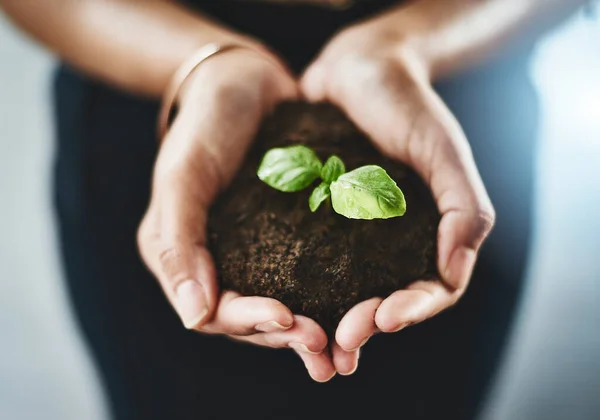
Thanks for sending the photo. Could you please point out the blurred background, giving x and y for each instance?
(552, 367)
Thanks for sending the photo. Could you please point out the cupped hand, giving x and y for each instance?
(383, 85)
(220, 109)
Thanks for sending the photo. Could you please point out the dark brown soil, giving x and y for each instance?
(268, 243)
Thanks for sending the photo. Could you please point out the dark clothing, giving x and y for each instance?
(152, 368)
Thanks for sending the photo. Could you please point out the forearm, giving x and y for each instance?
(135, 45)
(453, 34)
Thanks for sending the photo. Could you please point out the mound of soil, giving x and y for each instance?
(268, 243)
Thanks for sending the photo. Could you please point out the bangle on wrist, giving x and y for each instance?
(186, 69)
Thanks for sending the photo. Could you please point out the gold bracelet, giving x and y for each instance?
(182, 74)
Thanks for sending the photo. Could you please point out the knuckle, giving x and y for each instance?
(173, 262)
(385, 321)
(486, 219)
(278, 309)
(283, 316)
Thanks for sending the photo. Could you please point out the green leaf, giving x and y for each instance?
(367, 193)
(290, 169)
(333, 168)
(318, 195)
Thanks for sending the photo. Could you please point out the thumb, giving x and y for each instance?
(189, 281)
(186, 269)
(312, 83)
(172, 240)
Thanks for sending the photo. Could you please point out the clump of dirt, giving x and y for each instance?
(268, 243)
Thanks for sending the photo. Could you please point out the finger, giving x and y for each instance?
(312, 83)
(172, 240)
(345, 362)
(467, 212)
(319, 366)
(241, 315)
(178, 269)
(460, 236)
(305, 335)
(358, 325)
(421, 300)
(307, 339)
(184, 266)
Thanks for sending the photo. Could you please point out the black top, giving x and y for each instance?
(299, 29)
(295, 30)
(153, 369)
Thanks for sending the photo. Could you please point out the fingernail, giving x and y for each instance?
(460, 267)
(191, 303)
(302, 348)
(271, 326)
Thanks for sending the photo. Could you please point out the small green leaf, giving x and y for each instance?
(318, 195)
(290, 169)
(367, 193)
(333, 168)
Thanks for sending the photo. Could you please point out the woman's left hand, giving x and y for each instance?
(383, 85)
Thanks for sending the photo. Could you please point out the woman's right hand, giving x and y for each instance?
(221, 107)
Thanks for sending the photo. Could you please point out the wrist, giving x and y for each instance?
(385, 39)
(406, 37)
(214, 66)
(213, 69)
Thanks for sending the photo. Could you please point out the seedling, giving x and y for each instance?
(367, 192)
